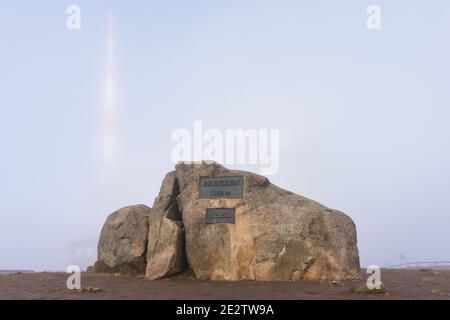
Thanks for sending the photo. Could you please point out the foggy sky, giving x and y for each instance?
(363, 115)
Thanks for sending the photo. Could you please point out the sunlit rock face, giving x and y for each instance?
(166, 245)
(272, 235)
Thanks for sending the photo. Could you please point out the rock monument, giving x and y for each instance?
(235, 225)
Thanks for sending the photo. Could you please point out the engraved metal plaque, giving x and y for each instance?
(221, 187)
(220, 215)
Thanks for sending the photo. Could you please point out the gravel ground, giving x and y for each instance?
(398, 284)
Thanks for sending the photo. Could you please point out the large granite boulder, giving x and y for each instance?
(274, 234)
(123, 241)
(166, 254)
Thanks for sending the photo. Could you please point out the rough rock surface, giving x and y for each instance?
(123, 241)
(166, 254)
(277, 234)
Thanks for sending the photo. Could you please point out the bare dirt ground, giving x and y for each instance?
(399, 284)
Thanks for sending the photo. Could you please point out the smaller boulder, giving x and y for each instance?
(123, 241)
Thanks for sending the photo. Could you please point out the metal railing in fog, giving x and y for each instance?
(421, 264)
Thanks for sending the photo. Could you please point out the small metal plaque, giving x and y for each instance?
(221, 187)
(220, 215)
